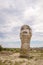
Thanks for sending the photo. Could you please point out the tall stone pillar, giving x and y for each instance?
(25, 36)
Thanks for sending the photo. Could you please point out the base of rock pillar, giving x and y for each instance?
(24, 53)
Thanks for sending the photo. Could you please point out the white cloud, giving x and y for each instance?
(36, 45)
(30, 12)
(15, 13)
(6, 4)
(11, 45)
(37, 38)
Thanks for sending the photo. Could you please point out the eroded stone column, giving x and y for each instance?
(25, 36)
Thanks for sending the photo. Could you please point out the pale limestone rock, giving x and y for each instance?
(25, 36)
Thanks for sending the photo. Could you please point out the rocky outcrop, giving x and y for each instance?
(25, 36)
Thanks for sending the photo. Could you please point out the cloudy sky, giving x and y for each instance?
(14, 14)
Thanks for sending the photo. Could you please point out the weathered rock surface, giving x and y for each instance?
(25, 36)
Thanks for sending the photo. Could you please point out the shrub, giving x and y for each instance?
(1, 48)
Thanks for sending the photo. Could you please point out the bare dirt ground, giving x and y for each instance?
(14, 59)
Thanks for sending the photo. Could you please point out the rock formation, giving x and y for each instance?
(25, 36)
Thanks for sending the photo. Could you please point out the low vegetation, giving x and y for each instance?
(9, 49)
(1, 48)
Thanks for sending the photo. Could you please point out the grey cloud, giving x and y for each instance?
(16, 8)
(12, 11)
(39, 34)
(31, 1)
(10, 35)
(15, 30)
(20, 7)
(30, 21)
(2, 35)
(2, 18)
